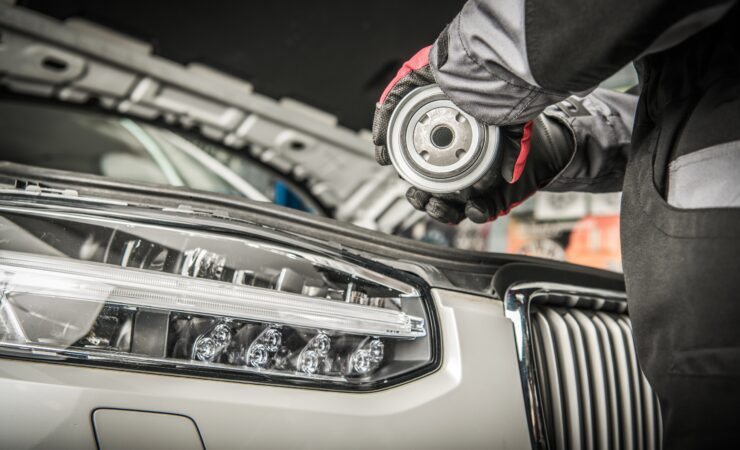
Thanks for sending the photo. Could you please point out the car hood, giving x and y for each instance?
(335, 56)
(79, 61)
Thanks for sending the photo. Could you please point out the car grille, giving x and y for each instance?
(594, 394)
(583, 385)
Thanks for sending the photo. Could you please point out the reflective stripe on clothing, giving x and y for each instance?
(708, 178)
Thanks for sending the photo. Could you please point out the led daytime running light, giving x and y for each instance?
(102, 283)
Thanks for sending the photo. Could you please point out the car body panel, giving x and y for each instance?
(474, 399)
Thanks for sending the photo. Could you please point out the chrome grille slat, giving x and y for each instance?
(580, 370)
(623, 382)
(544, 387)
(636, 378)
(584, 383)
(648, 413)
(613, 399)
(566, 360)
(552, 375)
(597, 375)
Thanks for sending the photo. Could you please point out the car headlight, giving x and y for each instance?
(256, 306)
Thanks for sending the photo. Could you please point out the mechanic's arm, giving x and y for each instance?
(578, 144)
(505, 61)
(600, 125)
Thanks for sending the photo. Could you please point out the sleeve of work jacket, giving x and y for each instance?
(505, 61)
(601, 126)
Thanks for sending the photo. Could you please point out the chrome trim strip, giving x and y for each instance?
(204, 223)
(517, 303)
(99, 283)
(214, 165)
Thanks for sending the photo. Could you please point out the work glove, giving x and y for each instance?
(414, 73)
(533, 153)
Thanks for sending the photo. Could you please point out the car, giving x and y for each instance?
(152, 298)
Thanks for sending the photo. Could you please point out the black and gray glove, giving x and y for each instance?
(414, 73)
(505, 186)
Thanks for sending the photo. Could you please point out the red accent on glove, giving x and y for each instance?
(419, 60)
(521, 160)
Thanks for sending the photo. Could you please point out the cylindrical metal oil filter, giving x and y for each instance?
(436, 146)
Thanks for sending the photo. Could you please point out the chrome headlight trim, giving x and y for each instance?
(337, 258)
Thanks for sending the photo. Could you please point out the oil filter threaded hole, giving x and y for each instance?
(442, 136)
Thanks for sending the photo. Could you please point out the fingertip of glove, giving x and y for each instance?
(381, 155)
(417, 198)
(443, 212)
(476, 212)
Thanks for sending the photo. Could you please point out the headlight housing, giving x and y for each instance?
(248, 304)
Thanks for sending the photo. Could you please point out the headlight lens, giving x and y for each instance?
(95, 290)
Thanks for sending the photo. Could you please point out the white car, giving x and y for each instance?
(138, 314)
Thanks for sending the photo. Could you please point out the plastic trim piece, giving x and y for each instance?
(96, 65)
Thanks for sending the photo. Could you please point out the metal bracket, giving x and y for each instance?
(76, 61)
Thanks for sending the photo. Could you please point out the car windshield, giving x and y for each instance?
(58, 137)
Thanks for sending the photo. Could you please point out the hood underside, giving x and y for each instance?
(149, 76)
(85, 59)
(335, 56)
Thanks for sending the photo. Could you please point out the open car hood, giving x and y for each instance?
(335, 56)
(78, 61)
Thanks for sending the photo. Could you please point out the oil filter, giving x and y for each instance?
(436, 146)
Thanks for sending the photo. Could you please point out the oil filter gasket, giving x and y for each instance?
(436, 146)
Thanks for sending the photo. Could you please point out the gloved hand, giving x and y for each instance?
(413, 73)
(531, 159)
(522, 172)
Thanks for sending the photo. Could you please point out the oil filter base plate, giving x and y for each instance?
(436, 146)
